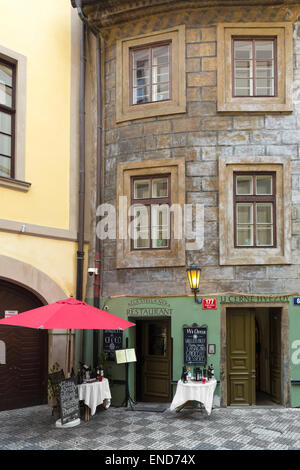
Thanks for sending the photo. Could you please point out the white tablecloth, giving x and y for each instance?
(194, 391)
(94, 394)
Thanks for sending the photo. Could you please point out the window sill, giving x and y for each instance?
(11, 183)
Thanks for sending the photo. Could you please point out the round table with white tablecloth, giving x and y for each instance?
(94, 394)
(194, 391)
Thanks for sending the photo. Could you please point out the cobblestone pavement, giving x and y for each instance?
(254, 428)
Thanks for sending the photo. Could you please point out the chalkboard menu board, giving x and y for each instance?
(112, 341)
(69, 401)
(194, 345)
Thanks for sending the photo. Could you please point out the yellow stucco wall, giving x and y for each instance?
(55, 258)
(41, 31)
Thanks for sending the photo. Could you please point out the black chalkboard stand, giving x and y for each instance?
(128, 400)
(70, 412)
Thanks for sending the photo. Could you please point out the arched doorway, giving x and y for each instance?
(23, 377)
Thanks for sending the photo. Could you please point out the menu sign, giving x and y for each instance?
(195, 345)
(112, 340)
(69, 401)
(125, 355)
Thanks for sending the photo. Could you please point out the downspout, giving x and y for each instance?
(85, 24)
(98, 196)
(80, 252)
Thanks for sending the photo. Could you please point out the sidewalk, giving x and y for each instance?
(254, 428)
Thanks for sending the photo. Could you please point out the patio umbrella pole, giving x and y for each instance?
(69, 353)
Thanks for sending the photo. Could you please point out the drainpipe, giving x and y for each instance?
(86, 25)
(80, 252)
(98, 196)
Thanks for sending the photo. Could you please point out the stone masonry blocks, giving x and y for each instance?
(201, 136)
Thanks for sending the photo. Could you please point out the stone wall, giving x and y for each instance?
(201, 136)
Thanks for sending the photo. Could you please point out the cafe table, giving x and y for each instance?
(194, 391)
(94, 394)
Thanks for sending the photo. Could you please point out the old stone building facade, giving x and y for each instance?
(225, 130)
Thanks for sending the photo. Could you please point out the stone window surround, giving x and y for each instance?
(175, 256)
(18, 182)
(281, 254)
(280, 103)
(177, 104)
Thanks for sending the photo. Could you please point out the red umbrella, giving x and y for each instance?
(68, 314)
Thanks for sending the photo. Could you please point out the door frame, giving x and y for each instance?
(160, 318)
(285, 348)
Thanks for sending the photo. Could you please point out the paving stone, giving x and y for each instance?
(226, 428)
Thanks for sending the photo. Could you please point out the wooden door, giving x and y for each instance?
(156, 361)
(240, 356)
(23, 379)
(275, 355)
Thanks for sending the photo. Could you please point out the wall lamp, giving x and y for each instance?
(193, 273)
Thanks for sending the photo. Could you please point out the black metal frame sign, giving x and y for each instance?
(195, 345)
(69, 401)
(112, 341)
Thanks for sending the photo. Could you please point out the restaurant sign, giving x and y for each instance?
(255, 299)
(149, 308)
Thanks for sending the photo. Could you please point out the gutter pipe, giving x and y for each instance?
(80, 254)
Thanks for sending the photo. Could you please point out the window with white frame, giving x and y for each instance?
(151, 201)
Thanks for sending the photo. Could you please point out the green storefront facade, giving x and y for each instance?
(248, 362)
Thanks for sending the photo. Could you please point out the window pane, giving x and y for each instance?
(5, 145)
(160, 74)
(5, 95)
(243, 83)
(264, 69)
(6, 75)
(141, 95)
(160, 226)
(160, 92)
(264, 49)
(265, 87)
(244, 213)
(264, 185)
(245, 235)
(141, 59)
(160, 187)
(243, 49)
(142, 189)
(264, 213)
(243, 87)
(5, 123)
(244, 185)
(243, 69)
(157, 340)
(264, 235)
(141, 227)
(140, 77)
(160, 55)
(5, 166)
